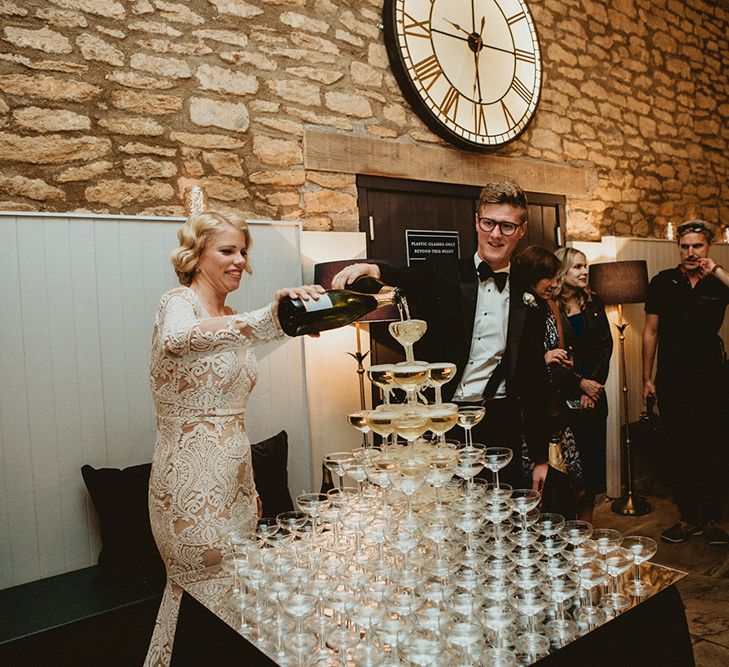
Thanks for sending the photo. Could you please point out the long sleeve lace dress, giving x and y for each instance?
(202, 371)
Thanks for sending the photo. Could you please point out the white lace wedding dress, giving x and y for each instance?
(202, 371)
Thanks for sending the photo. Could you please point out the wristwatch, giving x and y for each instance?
(716, 268)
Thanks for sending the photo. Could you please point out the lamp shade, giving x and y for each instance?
(325, 271)
(620, 282)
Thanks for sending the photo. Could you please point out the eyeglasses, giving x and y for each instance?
(507, 228)
(695, 227)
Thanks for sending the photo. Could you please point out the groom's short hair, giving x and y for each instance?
(503, 192)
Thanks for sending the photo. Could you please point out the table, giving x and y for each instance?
(652, 632)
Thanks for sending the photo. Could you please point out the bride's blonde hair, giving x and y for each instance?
(195, 235)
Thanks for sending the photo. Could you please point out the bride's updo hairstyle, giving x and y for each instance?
(195, 235)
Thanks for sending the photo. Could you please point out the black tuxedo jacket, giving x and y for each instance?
(443, 291)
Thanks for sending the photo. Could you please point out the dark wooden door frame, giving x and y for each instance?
(381, 183)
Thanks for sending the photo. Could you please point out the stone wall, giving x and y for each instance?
(119, 105)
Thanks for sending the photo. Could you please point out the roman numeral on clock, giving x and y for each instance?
(516, 18)
(525, 56)
(507, 114)
(450, 101)
(479, 119)
(416, 28)
(428, 71)
(521, 90)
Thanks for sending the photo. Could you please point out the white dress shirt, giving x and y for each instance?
(490, 325)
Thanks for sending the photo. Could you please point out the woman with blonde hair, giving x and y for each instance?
(202, 371)
(587, 332)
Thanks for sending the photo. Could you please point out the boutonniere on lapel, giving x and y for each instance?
(528, 299)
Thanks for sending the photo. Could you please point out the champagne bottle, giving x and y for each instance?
(336, 308)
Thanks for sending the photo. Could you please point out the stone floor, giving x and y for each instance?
(705, 592)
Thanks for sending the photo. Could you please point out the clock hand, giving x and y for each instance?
(457, 27)
(476, 56)
(448, 34)
(473, 16)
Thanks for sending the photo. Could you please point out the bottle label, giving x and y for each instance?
(324, 303)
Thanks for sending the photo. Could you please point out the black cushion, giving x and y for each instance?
(120, 498)
(269, 467)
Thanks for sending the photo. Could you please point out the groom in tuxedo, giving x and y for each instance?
(480, 319)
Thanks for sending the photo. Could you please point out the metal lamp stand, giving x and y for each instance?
(630, 504)
(359, 357)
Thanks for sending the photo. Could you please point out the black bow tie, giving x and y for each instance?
(485, 272)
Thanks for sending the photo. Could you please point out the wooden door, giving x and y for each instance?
(388, 207)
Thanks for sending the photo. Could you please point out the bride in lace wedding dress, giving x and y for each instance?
(202, 371)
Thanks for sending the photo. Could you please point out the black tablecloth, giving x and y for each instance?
(652, 634)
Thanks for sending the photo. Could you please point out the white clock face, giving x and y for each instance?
(471, 68)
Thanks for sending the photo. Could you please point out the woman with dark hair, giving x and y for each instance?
(537, 269)
(587, 331)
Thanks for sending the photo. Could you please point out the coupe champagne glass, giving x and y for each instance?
(530, 603)
(366, 612)
(407, 333)
(391, 628)
(442, 418)
(357, 470)
(561, 630)
(497, 458)
(312, 504)
(442, 462)
(592, 574)
(381, 376)
(410, 376)
(381, 420)
(299, 606)
(334, 461)
(379, 471)
(643, 549)
(293, 521)
(465, 635)
(468, 417)
(358, 419)
(524, 501)
(266, 526)
(470, 461)
(441, 373)
(575, 532)
(407, 477)
(617, 560)
(410, 424)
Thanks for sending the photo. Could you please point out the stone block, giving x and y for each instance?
(350, 105)
(51, 148)
(45, 40)
(178, 13)
(30, 188)
(139, 81)
(227, 164)
(169, 67)
(85, 172)
(50, 88)
(135, 148)
(295, 91)
(211, 77)
(327, 76)
(94, 48)
(147, 167)
(329, 201)
(277, 152)
(62, 18)
(155, 28)
(236, 8)
(118, 193)
(206, 140)
(224, 36)
(145, 103)
(131, 126)
(288, 177)
(107, 8)
(302, 22)
(227, 115)
(50, 120)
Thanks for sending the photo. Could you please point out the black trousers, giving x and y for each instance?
(694, 424)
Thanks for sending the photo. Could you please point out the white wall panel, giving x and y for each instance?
(78, 296)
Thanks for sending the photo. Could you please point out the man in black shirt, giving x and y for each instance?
(684, 311)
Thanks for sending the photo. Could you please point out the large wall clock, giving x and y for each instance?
(471, 69)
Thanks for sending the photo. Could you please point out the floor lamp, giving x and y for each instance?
(323, 274)
(618, 283)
